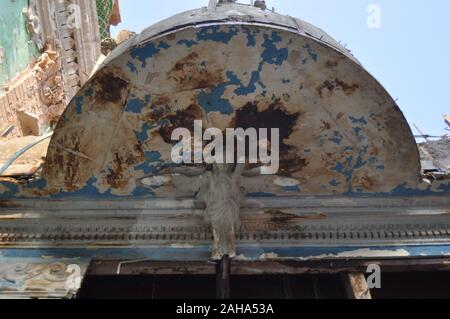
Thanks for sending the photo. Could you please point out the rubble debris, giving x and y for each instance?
(435, 156)
(29, 123)
(124, 35)
(44, 63)
(108, 45)
(37, 94)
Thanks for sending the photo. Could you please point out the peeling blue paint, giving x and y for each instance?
(79, 101)
(39, 183)
(251, 41)
(214, 33)
(262, 84)
(358, 134)
(12, 189)
(132, 67)
(404, 190)
(312, 53)
(89, 92)
(337, 139)
(292, 189)
(187, 43)
(350, 165)
(251, 87)
(163, 45)
(272, 54)
(213, 102)
(152, 163)
(144, 53)
(141, 191)
(444, 187)
(339, 168)
(134, 105)
(361, 120)
(203, 252)
(261, 194)
(88, 191)
(143, 135)
(334, 183)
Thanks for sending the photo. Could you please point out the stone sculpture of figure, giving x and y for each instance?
(221, 194)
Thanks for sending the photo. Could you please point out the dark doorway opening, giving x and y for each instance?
(394, 285)
(204, 287)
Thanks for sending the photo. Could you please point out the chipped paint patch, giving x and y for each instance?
(373, 253)
(363, 253)
(187, 43)
(241, 257)
(217, 34)
(144, 53)
(156, 181)
(134, 105)
(268, 256)
(79, 104)
(359, 253)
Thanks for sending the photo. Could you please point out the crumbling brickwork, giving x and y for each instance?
(38, 90)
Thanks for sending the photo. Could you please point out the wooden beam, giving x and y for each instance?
(316, 287)
(338, 266)
(223, 278)
(287, 289)
(109, 267)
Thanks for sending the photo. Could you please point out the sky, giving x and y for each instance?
(409, 54)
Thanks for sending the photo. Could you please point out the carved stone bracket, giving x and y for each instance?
(30, 278)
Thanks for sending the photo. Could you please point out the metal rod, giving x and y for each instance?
(447, 121)
(316, 287)
(420, 132)
(223, 278)
(7, 131)
(287, 289)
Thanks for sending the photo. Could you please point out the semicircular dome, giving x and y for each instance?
(238, 66)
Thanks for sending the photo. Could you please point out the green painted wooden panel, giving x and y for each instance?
(16, 48)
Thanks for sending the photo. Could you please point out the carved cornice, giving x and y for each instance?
(271, 228)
